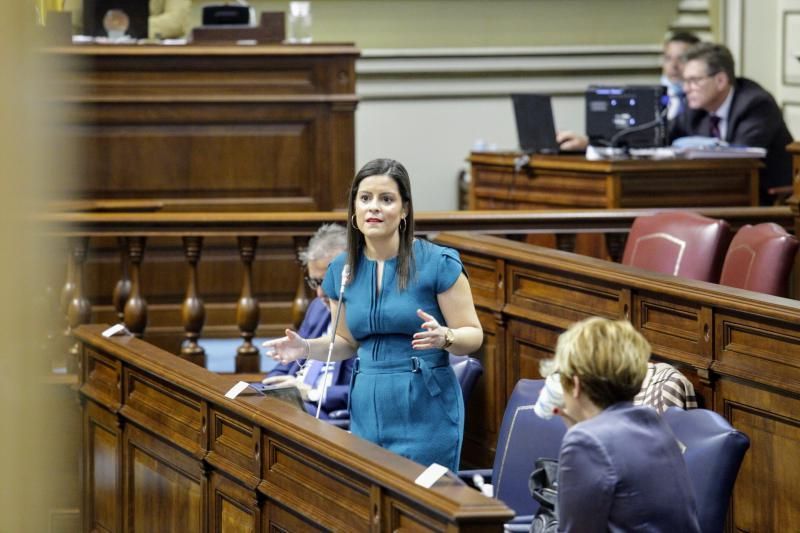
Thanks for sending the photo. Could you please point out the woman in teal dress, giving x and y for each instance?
(404, 306)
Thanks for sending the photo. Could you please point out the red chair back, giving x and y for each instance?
(760, 259)
(678, 243)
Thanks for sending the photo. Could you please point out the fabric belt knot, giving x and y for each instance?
(422, 364)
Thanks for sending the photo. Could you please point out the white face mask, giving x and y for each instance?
(672, 88)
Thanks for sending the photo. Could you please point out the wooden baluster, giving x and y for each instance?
(247, 355)
(135, 312)
(79, 310)
(69, 288)
(300, 303)
(565, 242)
(615, 244)
(122, 290)
(193, 312)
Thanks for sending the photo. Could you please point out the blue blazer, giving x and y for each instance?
(623, 471)
(315, 324)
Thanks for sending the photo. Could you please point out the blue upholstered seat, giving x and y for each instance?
(714, 451)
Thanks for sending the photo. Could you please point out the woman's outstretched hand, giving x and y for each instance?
(287, 349)
(434, 335)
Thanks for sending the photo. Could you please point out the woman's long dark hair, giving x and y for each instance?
(355, 239)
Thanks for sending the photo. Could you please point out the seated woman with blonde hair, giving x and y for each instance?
(620, 467)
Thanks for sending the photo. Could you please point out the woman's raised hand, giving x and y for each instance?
(287, 349)
(434, 335)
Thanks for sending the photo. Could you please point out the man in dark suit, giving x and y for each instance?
(736, 110)
(310, 375)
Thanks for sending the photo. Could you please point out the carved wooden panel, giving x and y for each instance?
(164, 487)
(551, 298)
(340, 501)
(678, 330)
(403, 517)
(102, 449)
(201, 150)
(166, 411)
(101, 379)
(232, 508)
(766, 495)
(277, 518)
(528, 344)
(485, 280)
(235, 445)
(753, 348)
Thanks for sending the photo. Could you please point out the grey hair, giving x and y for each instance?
(329, 241)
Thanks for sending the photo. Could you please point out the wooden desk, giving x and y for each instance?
(741, 350)
(165, 450)
(572, 182)
(210, 123)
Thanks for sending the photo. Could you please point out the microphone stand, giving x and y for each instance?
(345, 279)
(658, 121)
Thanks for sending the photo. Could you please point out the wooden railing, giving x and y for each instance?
(739, 348)
(165, 450)
(269, 294)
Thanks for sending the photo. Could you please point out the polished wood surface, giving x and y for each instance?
(165, 450)
(210, 123)
(573, 182)
(740, 349)
(100, 244)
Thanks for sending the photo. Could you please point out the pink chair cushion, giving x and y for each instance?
(760, 258)
(678, 243)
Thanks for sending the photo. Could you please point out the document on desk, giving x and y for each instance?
(721, 152)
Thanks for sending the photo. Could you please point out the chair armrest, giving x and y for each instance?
(519, 524)
(341, 423)
(467, 475)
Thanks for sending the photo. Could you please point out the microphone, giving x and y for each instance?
(658, 121)
(345, 281)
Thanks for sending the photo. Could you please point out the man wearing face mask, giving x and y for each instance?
(674, 49)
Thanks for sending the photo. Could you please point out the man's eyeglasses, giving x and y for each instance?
(696, 80)
(313, 283)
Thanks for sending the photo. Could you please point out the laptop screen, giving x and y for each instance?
(535, 126)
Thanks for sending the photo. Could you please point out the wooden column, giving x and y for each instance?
(247, 355)
(193, 311)
(135, 312)
(79, 310)
(122, 290)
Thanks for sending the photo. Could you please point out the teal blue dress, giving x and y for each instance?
(402, 399)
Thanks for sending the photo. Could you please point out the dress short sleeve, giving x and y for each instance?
(449, 269)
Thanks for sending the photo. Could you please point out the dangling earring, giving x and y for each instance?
(403, 224)
(353, 221)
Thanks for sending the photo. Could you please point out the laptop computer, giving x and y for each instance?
(535, 126)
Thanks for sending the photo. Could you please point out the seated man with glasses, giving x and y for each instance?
(736, 110)
(309, 375)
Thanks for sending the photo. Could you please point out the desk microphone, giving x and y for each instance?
(345, 281)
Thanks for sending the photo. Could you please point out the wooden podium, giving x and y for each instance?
(214, 125)
(569, 182)
(572, 182)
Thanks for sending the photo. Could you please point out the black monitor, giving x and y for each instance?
(632, 116)
(138, 12)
